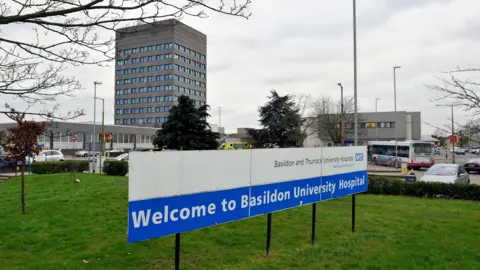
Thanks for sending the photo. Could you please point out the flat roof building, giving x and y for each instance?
(376, 126)
(155, 64)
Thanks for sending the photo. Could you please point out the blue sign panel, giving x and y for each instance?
(157, 217)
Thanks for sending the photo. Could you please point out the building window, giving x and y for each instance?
(117, 122)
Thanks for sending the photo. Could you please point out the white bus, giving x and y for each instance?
(416, 154)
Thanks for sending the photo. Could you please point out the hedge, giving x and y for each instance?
(59, 166)
(389, 186)
(115, 167)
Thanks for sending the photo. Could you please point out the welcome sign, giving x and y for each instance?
(174, 192)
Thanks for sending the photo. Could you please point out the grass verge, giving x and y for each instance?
(84, 225)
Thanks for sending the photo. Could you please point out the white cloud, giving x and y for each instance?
(307, 48)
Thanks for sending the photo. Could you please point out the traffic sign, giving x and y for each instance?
(74, 138)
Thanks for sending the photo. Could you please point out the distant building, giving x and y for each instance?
(381, 126)
(155, 64)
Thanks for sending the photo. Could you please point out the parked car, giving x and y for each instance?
(472, 165)
(475, 151)
(86, 153)
(122, 157)
(446, 173)
(460, 151)
(47, 155)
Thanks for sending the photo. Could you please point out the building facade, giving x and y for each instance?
(155, 64)
(381, 126)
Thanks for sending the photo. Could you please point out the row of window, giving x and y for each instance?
(146, 100)
(160, 78)
(377, 125)
(190, 71)
(140, 121)
(159, 57)
(160, 47)
(159, 109)
(87, 137)
(160, 88)
(389, 150)
(152, 100)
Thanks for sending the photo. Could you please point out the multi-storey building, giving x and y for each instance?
(155, 64)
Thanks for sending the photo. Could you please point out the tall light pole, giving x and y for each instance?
(376, 124)
(342, 124)
(453, 131)
(219, 116)
(355, 113)
(395, 106)
(95, 83)
(103, 129)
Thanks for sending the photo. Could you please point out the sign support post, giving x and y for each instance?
(353, 213)
(314, 221)
(269, 233)
(177, 251)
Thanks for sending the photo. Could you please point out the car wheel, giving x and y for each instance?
(61, 160)
(85, 155)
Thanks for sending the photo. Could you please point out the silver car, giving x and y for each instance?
(446, 173)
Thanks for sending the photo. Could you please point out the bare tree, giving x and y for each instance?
(304, 105)
(74, 33)
(328, 115)
(457, 86)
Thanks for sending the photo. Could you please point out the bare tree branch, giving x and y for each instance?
(69, 33)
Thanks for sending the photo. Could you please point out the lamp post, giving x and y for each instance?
(342, 124)
(453, 131)
(103, 130)
(376, 124)
(355, 113)
(95, 83)
(395, 106)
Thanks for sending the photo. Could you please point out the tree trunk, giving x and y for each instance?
(22, 177)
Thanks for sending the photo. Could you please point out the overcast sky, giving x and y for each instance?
(307, 48)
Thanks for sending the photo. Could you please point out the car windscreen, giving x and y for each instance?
(474, 161)
(422, 148)
(442, 170)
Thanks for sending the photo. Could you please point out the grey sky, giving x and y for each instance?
(307, 48)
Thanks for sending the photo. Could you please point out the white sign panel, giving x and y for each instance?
(172, 192)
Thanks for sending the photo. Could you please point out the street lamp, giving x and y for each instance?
(453, 131)
(342, 124)
(95, 83)
(395, 106)
(376, 124)
(355, 113)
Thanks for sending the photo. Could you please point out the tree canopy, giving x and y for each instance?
(187, 128)
(280, 119)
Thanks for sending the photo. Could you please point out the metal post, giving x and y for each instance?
(395, 106)
(94, 117)
(353, 213)
(376, 124)
(269, 233)
(94, 164)
(453, 143)
(177, 251)
(342, 122)
(355, 115)
(219, 116)
(102, 148)
(314, 221)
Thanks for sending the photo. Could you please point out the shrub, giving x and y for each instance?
(390, 186)
(59, 166)
(115, 167)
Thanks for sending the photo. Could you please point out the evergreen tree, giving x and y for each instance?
(187, 128)
(280, 119)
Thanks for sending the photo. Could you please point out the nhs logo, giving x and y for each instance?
(358, 156)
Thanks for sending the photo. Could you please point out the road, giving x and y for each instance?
(474, 176)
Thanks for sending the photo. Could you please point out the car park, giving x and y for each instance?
(447, 173)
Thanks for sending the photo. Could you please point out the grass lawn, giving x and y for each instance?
(69, 223)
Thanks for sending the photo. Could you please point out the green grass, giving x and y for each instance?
(69, 223)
